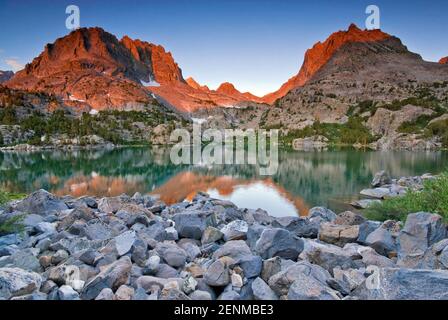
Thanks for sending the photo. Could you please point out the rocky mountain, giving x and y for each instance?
(443, 60)
(321, 53)
(357, 82)
(5, 75)
(92, 68)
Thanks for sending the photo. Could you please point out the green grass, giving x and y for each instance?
(438, 128)
(433, 198)
(354, 131)
(14, 224)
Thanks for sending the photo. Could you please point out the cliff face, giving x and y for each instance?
(443, 60)
(321, 53)
(92, 68)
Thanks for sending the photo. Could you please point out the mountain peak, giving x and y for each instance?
(227, 88)
(443, 60)
(353, 27)
(321, 53)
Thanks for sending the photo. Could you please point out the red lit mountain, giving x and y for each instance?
(444, 60)
(321, 53)
(91, 67)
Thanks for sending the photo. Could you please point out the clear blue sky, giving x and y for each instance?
(255, 44)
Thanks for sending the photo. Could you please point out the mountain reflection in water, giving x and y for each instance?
(303, 180)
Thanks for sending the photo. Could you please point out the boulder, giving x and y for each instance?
(16, 282)
(200, 295)
(378, 193)
(217, 274)
(106, 294)
(349, 218)
(301, 227)
(308, 288)
(278, 242)
(338, 234)
(321, 214)
(42, 203)
(404, 284)
(380, 179)
(282, 281)
(112, 277)
(251, 266)
(192, 224)
(67, 293)
(172, 254)
(261, 291)
(235, 230)
(125, 241)
(329, 256)
(125, 293)
(420, 231)
(382, 241)
(367, 228)
(211, 235)
(236, 249)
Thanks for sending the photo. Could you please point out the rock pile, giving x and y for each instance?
(137, 248)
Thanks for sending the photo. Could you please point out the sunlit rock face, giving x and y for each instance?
(91, 67)
(321, 53)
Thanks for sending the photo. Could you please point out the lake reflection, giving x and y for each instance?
(303, 180)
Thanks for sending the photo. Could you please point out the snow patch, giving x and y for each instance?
(198, 120)
(150, 83)
(72, 98)
(93, 112)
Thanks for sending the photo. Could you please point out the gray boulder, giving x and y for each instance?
(211, 235)
(124, 242)
(192, 224)
(278, 242)
(112, 277)
(236, 249)
(321, 214)
(67, 293)
(329, 256)
(367, 228)
(380, 179)
(404, 284)
(420, 231)
(172, 254)
(301, 227)
(217, 275)
(338, 234)
(235, 230)
(282, 281)
(308, 288)
(382, 241)
(16, 282)
(41, 202)
(261, 291)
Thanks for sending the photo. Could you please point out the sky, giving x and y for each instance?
(255, 44)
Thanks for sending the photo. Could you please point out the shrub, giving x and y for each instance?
(433, 198)
(14, 224)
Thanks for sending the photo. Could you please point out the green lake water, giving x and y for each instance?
(303, 179)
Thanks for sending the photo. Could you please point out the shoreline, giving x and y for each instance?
(138, 248)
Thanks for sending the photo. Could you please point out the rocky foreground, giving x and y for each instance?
(136, 248)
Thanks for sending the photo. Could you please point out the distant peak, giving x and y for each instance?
(353, 27)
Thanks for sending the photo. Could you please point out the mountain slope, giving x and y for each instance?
(88, 67)
(5, 75)
(443, 60)
(92, 68)
(321, 53)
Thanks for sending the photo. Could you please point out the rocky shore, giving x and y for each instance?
(137, 248)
